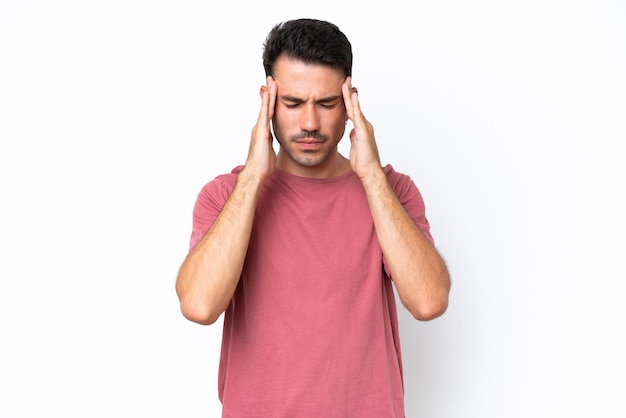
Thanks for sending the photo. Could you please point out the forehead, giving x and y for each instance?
(295, 77)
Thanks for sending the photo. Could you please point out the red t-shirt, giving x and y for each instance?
(312, 329)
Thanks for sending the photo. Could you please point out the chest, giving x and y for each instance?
(314, 239)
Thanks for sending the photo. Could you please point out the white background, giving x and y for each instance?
(509, 116)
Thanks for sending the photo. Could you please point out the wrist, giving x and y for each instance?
(251, 177)
(373, 176)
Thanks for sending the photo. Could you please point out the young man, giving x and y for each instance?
(299, 249)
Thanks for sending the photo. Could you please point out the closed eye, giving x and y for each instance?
(329, 102)
(324, 105)
(291, 103)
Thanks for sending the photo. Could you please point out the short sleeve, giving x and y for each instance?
(409, 195)
(209, 204)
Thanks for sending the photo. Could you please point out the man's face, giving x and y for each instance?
(309, 115)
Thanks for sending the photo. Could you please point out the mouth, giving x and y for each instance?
(309, 141)
(309, 145)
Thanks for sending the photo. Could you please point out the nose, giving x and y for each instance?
(309, 119)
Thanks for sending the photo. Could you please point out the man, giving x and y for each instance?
(299, 249)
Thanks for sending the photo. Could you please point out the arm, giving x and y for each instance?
(418, 271)
(209, 275)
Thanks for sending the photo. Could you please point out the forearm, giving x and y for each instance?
(210, 273)
(418, 271)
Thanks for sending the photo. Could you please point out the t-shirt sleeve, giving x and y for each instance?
(411, 198)
(409, 195)
(208, 206)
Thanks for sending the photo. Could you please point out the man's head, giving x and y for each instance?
(310, 41)
(309, 61)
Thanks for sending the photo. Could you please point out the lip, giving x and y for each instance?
(309, 145)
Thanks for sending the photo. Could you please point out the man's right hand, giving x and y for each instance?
(261, 160)
(208, 278)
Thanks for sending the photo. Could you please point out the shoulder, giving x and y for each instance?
(210, 201)
(400, 182)
(405, 189)
(390, 172)
(227, 178)
(220, 185)
(214, 194)
(411, 198)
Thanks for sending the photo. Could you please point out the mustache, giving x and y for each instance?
(309, 134)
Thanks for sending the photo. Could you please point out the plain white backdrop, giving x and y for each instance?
(509, 116)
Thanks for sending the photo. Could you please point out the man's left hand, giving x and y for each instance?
(364, 158)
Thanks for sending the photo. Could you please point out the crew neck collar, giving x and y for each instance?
(288, 176)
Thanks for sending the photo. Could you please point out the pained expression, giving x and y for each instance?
(309, 115)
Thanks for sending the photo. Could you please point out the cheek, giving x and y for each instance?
(340, 131)
(283, 118)
(282, 124)
(338, 124)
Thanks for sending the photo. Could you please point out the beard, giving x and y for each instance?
(305, 158)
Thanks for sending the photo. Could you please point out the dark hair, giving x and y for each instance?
(310, 41)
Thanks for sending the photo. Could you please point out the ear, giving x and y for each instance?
(264, 88)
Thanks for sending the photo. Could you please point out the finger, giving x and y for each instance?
(346, 90)
(357, 116)
(356, 107)
(273, 88)
(263, 111)
(267, 108)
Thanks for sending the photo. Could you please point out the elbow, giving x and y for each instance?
(432, 304)
(199, 314)
(196, 306)
(196, 310)
(427, 311)
(426, 307)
